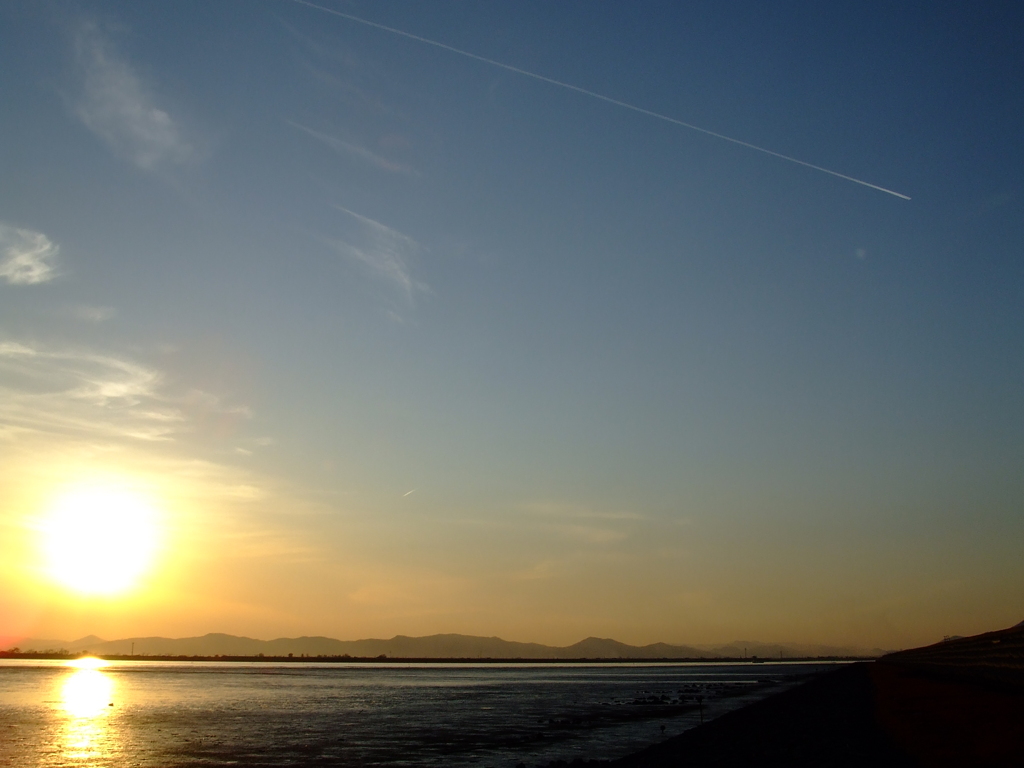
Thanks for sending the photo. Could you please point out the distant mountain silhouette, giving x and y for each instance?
(88, 640)
(449, 646)
(433, 647)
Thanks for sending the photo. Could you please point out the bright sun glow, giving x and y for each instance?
(99, 540)
(87, 693)
(88, 662)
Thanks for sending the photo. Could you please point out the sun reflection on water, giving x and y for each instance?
(87, 697)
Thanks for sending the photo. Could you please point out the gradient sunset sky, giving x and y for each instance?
(394, 340)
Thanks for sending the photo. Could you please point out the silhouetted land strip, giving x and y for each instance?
(441, 646)
(956, 703)
(411, 660)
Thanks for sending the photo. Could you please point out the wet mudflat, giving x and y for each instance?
(178, 714)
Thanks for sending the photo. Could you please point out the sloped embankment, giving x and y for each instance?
(956, 703)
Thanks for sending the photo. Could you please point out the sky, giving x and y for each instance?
(384, 339)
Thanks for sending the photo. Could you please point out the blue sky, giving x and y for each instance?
(474, 352)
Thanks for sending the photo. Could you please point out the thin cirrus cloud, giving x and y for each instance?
(383, 251)
(92, 314)
(353, 150)
(97, 396)
(119, 108)
(583, 524)
(26, 256)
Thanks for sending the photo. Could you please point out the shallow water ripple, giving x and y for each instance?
(192, 714)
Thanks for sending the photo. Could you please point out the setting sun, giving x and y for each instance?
(99, 540)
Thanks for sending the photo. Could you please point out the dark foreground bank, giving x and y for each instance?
(958, 703)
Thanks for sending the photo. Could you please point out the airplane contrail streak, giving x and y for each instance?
(608, 99)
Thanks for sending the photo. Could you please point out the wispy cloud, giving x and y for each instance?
(95, 395)
(349, 78)
(354, 150)
(27, 256)
(595, 95)
(562, 510)
(92, 314)
(384, 251)
(118, 107)
(583, 524)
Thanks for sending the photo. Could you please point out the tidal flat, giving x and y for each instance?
(190, 714)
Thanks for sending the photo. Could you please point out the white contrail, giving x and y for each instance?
(594, 95)
(406, 494)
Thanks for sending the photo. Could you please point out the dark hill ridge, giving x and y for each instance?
(992, 658)
(445, 646)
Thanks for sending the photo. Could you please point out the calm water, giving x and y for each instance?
(175, 714)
